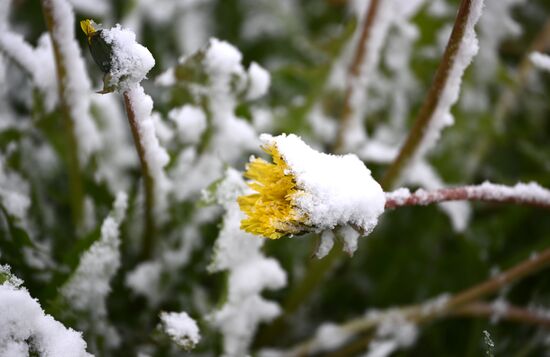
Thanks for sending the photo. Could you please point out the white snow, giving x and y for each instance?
(130, 61)
(442, 116)
(222, 58)
(338, 190)
(250, 272)
(531, 192)
(393, 332)
(181, 328)
(88, 287)
(14, 193)
(259, 81)
(423, 174)
(326, 244)
(145, 280)
(540, 60)
(155, 155)
(77, 84)
(328, 337)
(190, 122)
(26, 327)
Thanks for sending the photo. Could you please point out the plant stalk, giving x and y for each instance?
(425, 115)
(148, 181)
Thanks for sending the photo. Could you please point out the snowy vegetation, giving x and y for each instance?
(274, 178)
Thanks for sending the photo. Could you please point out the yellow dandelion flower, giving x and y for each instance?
(271, 211)
(89, 28)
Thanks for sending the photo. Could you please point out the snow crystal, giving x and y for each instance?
(26, 327)
(250, 272)
(531, 192)
(499, 309)
(181, 328)
(338, 190)
(190, 121)
(393, 332)
(350, 238)
(222, 58)
(130, 61)
(540, 60)
(422, 174)
(88, 287)
(328, 337)
(259, 80)
(14, 193)
(77, 84)
(145, 280)
(326, 244)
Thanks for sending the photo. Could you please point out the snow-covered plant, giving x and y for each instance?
(186, 176)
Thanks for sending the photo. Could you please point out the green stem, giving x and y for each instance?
(75, 174)
(148, 182)
(425, 115)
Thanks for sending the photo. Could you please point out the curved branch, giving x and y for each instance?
(530, 194)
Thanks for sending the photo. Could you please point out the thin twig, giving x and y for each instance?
(75, 174)
(539, 197)
(512, 313)
(425, 115)
(148, 180)
(354, 73)
(431, 310)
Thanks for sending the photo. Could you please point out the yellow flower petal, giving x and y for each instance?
(271, 212)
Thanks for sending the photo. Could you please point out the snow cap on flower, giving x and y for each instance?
(124, 61)
(305, 190)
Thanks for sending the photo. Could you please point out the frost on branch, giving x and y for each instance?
(89, 285)
(250, 272)
(26, 330)
(468, 48)
(155, 155)
(540, 60)
(181, 328)
(311, 191)
(521, 193)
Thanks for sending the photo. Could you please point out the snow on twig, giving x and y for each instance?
(530, 194)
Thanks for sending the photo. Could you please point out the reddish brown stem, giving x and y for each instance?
(148, 181)
(484, 193)
(512, 313)
(425, 115)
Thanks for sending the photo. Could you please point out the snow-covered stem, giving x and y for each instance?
(354, 72)
(148, 180)
(73, 160)
(512, 313)
(439, 307)
(425, 116)
(522, 194)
